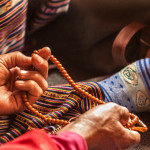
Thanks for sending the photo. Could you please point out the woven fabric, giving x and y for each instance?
(12, 25)
(50, 9)
(42, 12)
(61, 102)
(13, 16)
(130, 87)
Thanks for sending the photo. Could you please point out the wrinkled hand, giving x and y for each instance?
(102, 128)
(33, 81)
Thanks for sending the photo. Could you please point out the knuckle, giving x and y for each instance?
(45, 86)
(2, 60)
(45, 65)
(125, 109)
(45, 68)
(36, 75)
(114, 106)
(40, 92)
(118, 109)
(18, 53)
(32, 83)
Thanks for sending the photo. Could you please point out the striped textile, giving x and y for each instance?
(61, 102)
(13, 14)
(12, 25)
(49, 10)
(143, 67)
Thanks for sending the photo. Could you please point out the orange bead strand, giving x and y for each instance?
(40, 115)
(130, 125)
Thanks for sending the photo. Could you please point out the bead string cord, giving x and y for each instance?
(134, 120)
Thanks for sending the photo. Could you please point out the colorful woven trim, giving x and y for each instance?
(12, 25)
(51, 9)
(65, 97)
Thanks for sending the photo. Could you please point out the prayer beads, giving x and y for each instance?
(130, 125)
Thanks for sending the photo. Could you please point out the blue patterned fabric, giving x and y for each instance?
(130, 87)
(116, 91)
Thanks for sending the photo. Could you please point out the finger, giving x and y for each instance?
(130, 137)
(124, 115)
(34, 90)
(35, 76)
(121, 113)
(45, 53)
(40, 65)
(15, 59)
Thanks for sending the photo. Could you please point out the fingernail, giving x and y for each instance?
(23, 71)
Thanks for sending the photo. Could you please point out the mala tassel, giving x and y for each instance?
(140, 129)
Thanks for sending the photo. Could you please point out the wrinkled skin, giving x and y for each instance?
(102, 128)
(33, 81)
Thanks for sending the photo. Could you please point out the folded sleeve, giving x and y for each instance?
(40, 140)
(69, 141)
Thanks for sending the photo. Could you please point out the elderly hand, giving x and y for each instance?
(102, 128)
(33, 81)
